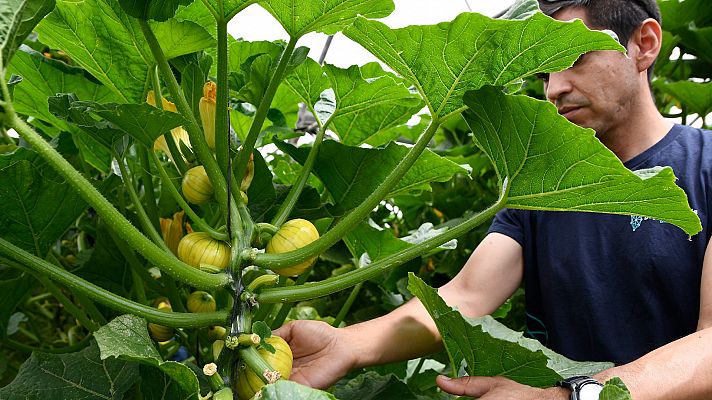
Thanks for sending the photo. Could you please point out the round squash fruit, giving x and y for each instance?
(248, 383)
(158, 332)
(293, 234)
(199, 248)
(200, 301)
(196, 186)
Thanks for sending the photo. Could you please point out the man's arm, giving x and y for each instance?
(680, 370)
(323, 354)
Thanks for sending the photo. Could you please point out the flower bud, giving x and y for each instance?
(207, 112)
(172, 230)
(179, 134)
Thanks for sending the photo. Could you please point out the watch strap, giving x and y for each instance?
(575, 383)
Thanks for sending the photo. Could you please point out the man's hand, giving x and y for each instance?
(497, 388)
(321, 353)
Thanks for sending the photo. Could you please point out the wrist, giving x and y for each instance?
(557, 393)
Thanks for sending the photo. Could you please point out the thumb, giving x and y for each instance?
(474, 386)
(284, 331)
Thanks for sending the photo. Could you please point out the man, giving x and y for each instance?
(599, 287)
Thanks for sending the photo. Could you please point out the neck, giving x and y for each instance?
(638, 131)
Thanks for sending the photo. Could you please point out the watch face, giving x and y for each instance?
(590, 391)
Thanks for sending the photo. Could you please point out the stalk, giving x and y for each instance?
(140, 211)
(286, 208)
(170, 142)
(284, 260)
(332, 285)
(114, 219)
(107, 298)
(255, 362)
(135, 266)
(148, 189)
(222, 136)
(244, 155)
(13, 344)
(287, 307)
(197, 139)
(173, 190)
(347, 305)
(76, 312)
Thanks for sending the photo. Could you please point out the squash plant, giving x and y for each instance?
(120, 108)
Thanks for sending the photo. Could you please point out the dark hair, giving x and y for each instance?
(621, 16)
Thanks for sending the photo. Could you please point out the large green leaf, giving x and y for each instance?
(126, 338)
(307, 82)
(447, 59)
(36, 205)
(352, 173)
(696, 97)
(491, 349)
(228, 8)
(376, 243)
(698, 41)
(17, 19)
(366, 107)
(159, 10)
(372, 386)
(143, 122)
(101, 38)
(328, 16)
(44, 78)
(679, 15)
(74, 376)
(288, 390)
(552, 164)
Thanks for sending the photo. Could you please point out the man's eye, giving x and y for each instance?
(580, 59)
(544, 76)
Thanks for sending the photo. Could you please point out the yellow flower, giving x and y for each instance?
(207, 112)
(179, 134)
(172, 230)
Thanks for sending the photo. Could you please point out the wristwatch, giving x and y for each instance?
(582, 387)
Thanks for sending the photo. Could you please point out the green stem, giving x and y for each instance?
(168, 136)
(140, 211)
(105, 297)
(148, 189)
(261, 113)
(197, 139)
(90, 308)
(173, 190)
(284, 260)
(286, 208)
(6, 136)
(265, 310)
(332, 285)
(113, 218)
(221, 116)
(347, 305)
(255, 362)
(174, 295)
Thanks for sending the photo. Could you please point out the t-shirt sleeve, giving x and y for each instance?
(509, 222)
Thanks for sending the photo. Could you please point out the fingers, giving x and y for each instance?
(284, 331)
(474, 386)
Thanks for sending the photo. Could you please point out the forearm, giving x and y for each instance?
(407, 332)
(681, 370)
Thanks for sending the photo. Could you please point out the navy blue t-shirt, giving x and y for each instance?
(603, 287)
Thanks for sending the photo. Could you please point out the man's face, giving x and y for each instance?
(599, 90)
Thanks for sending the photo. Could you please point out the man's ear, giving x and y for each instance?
(644, 45)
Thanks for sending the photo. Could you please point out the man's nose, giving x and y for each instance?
(557, 86)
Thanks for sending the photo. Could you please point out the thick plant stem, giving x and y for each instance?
(148, 189)
(332, 285)
(255, 362)
(168, 136)
(222, 136)
(173, 190)
(347, 305)
(286, 208)
(140, 211)
(197, 139)
(113, 217)
(105, 297)
(284, 260)
(261, 113)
